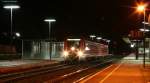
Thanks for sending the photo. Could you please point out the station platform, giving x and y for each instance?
(10, 66)
(125, 71)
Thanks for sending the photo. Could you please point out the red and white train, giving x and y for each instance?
(79, 49)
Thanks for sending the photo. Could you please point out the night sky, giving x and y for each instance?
(107, 18)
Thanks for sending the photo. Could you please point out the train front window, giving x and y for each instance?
(73, 45)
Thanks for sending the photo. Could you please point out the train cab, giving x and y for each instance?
(74, 49)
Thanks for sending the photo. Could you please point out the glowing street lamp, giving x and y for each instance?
(145, 23)
(11, 7)
(142, 8)
(132, 45)
(92, 36)
(108, 41)
(50, 21)
(144, 30)
(98, 38)
(17, 34)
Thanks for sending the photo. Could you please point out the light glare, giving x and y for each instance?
(132, 45)
(72, 48)
(65, 53)
(145, 22)
(99, 38)
(49, 20)
(92, 36)
(80, 53)
(144, 30)
(87, 48)
(141, 8)
(73, 39)
(11, 6)
(18, 34)
(108, 41)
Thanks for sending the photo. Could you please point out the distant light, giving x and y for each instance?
(11, 7)
(17, 34)
(80, 54)
(144, 30)
(145, 22)
(92, 36)
(147, 50)
(72, 48)
(105, 39)
(141, 7)
(132, 45)
(87, 48)
(49, 20)
(147, 30)
(133, 40)
(98, 38)
(108, 41)
(65, 53)
(73, 39)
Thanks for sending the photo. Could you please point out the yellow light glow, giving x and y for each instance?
(65, 53)
(141, 8)
(87, 48)
(72, 48)
(80, 53)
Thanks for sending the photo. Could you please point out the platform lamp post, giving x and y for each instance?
(92, 37)
(142, 8)
(18, 35)
(49, 22)
(11, 7)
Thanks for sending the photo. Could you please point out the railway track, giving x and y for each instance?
(32, 72)
(69, 70)
(67, 78)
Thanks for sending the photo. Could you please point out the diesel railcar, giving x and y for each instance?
(81, 49)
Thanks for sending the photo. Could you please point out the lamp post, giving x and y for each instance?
(142, 8)
(49, 22)
(92, 36)
(11, 7)
(18, 35)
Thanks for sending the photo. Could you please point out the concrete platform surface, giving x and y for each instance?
(8, 66)
(125, 71)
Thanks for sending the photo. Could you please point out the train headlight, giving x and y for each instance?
(72, 48)
(80, 53)
(87, 48)
(65, 53)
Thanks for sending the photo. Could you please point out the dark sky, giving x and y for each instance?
(107, 18)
